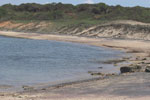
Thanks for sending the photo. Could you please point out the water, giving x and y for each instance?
(26, 62)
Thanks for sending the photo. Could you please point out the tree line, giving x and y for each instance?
(59, 11)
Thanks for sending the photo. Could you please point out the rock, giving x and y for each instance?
(95, 73)
(142, 62)
(130, 69)
(20, 96)
(100, 67)
(111, 74)
(101, 74)
(125, 69)
(98, 73)
(43, 89)
(147, 69)
(144, 59)
(2, 94)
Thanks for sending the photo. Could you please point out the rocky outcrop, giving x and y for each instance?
(135, 68)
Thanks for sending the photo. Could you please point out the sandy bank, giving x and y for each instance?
(125, 44)
(133, 86)
(127, 29)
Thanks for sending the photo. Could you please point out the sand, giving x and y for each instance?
(131, 86)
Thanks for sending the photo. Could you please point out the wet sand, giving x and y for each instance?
(130, 86)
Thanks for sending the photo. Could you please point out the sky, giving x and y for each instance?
(129, 3)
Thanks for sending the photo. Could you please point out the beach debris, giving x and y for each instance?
(100, 67)
(5, 86)
(110, 74)
(111, 61)
(142, 62)
(115, 64)
(43, 89)
(101, 74)
(95, 73)
(126, 58)
(134, 51)
(144, 58)
(115, 61)
(25, 87)
(2, 94)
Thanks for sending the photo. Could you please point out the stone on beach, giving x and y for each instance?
(147, 69)
(129, 69)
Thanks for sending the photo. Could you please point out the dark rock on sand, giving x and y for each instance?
(144, 59)
(101, 74)
(125, 69)
(97, 73)
(100, 67)
(147, 69)
(129, 69)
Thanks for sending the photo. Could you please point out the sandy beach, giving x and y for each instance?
(130, 86)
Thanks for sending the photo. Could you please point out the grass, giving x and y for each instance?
(65, 22)
(74, 23)
(55, 25)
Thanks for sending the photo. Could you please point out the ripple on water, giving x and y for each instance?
(27, 62)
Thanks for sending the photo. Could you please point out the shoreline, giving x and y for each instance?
(138, 48)
(39, 86)
(103, 42)
(131, 46)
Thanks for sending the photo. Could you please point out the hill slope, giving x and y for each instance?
(114, 29)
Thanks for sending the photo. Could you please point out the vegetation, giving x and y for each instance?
(64, 12)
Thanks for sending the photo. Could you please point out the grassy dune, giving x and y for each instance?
(126, 29)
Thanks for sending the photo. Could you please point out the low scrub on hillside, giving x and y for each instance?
(59, 11)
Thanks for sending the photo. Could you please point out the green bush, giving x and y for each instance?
(59, 11)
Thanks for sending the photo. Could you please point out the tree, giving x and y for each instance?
(103, 7)
(57, 15)
(3, 12)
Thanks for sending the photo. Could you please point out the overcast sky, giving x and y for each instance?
(145, 3)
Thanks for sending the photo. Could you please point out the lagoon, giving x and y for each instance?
(29, 62)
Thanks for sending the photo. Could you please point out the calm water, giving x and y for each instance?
(25, 62)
